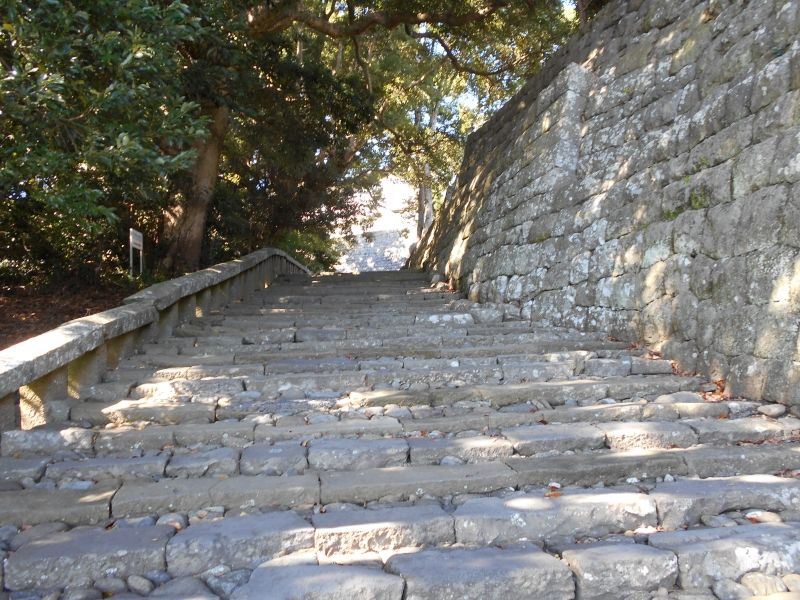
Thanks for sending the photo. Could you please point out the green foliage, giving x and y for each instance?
(94, 122)
(699, 198)
(318, 251)
(105, 105)
(671, 215)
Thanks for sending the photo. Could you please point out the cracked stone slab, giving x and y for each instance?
(589, 469)
(237, 542)
(377, 426)
(80, 556)
(164, 412)
(231, 434)
(311, 365)
(219, 374)
(146, 467)
(16, 469)
(276, 459)
(732, 431)
(575, 414)
(278, 581)
(538, 518)
(652, 434)
(132, 440)
(18, 443)
(682, 503)
(374, 484)
(206, 390)
(340, 532)
(649, 385)
(356, 454)
(339, 382)
(741, 460)
(556, 393)
(74, 507)
(176, 495)
(538, 439)
(213, 463)
(621, 571)
(469, 449)
(483, 574)
(706, 556)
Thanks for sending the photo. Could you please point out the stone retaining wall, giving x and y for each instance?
(43, 376)
(647, 183)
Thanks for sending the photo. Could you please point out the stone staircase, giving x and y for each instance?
(372, 436)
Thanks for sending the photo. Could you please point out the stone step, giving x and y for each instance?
(679, 504)
(375, 437)
(707, 557)
(281, 341)
(217, 451)
(494, 535)
(445, 324)
(723, 423)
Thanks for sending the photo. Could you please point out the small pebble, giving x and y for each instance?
(135, 522)
(717, 521)
(111, 585)
(762, 516)
(177, 520)
(761, 584)
(140, 585)
(772, 410)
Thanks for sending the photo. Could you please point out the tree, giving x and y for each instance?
(267, 118)
(94, 124)
(464, 31)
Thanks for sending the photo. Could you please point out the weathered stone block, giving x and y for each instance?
(287, 582)
(683, 502)
(621, 571)
(554, 438)
(709, 555)
(341, 532)
(538, 519)
(351, 455)
(484, 573)
(80, 556)
(237, 542)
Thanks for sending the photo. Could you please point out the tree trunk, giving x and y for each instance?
(582, 6)
(185, 222)
(424, 191)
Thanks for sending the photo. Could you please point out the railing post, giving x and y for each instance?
(168, 319)
(45, 400)
(122, 347)
(9, 412)
(86, 370)
(203, 303)
(187, 308)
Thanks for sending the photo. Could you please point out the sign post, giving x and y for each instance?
(136, 242)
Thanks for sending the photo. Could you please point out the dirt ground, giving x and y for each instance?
(24, 314)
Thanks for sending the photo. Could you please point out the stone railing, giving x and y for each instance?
(41, 378)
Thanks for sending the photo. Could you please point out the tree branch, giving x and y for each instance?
(274, 17)
(455, 61)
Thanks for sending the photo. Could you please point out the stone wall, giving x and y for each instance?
(647, 183)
